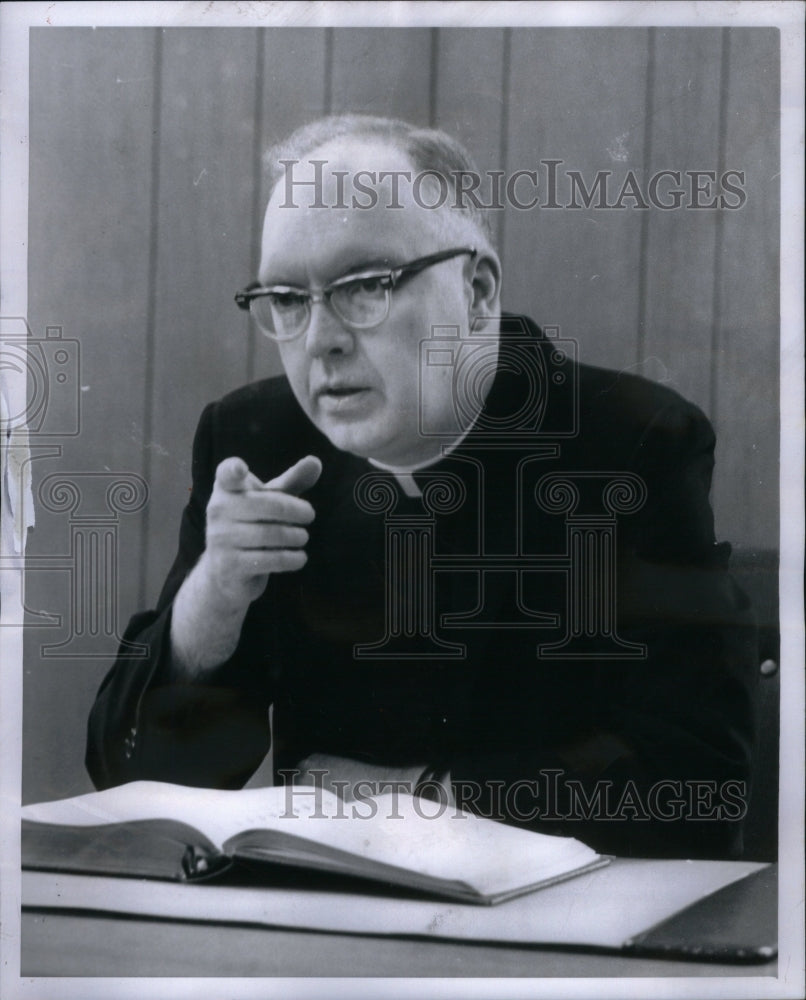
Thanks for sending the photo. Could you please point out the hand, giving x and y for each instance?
(343, 775)
(255, 529)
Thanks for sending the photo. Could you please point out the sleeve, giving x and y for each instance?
(143, 724)
(650, 756)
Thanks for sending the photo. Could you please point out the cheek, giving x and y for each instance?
(388, 355)
(415, 386)
(296, 371)
(400, 372)
(436, 389)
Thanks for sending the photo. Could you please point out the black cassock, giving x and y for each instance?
(551, 617)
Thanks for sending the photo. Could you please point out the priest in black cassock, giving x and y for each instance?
(443, 550)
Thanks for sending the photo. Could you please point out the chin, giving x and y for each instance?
(364, 444)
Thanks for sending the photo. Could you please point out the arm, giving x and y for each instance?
(198, 713)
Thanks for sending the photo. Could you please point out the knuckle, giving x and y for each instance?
(216, 508)
(288, 561)
(293, 537)
(294, 562)
(217, 536)
(305, 513)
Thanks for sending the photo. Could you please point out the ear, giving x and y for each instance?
(484, 274)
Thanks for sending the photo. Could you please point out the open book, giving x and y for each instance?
(150, 829)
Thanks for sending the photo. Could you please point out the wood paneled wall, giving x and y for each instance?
(145, 207)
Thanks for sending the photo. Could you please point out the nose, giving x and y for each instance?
(326, 335)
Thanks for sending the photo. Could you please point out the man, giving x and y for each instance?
(507, 581)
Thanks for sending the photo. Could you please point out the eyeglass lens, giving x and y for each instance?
(284, 315)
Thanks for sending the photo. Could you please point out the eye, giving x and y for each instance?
(287, 300)
(372, 286)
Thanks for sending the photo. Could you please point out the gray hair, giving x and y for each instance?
(429, 149)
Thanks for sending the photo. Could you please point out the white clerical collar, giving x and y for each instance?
(405, 474)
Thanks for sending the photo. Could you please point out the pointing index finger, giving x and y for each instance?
(299, 477)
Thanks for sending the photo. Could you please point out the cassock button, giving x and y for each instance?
(129, 744)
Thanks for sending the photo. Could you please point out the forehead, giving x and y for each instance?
(346, 211)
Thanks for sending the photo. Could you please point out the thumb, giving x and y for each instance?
(299, 477)
(233, 475)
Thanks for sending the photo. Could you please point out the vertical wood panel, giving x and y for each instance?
(577, 96)
(747, 385)
(294, 90)
(206, 176)
(680, 261)
(89, 185)
(290, 98)
(382, 71)
(470, 106)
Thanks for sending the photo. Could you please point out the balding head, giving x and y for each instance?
(439, 166)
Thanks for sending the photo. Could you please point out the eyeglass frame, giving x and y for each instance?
(394, 275)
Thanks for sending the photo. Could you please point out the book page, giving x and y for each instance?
(217, 814)
(442, 842)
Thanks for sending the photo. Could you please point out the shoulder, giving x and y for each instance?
(640, 401)
(582, 399)
(627, 423)
(644, 416)
(615, 414)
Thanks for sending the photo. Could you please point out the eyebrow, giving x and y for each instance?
(367, 264)
(357, 259)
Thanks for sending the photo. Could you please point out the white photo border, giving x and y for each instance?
(15, 20)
